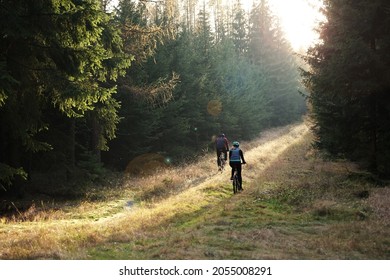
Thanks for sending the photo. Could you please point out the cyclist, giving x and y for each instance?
(221, 146)
(235, 157)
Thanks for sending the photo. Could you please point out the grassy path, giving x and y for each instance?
(294, 206)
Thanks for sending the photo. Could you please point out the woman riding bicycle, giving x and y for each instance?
(235, 157)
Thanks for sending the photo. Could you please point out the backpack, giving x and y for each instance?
(221, 143)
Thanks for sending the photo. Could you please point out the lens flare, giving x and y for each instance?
(214, 107)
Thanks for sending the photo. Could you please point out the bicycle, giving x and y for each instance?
(236, 182)
(222, 162)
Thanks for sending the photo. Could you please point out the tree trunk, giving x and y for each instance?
(96, 133)
(71, 157)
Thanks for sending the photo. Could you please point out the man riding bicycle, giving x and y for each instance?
(222, 146)
(235, 157)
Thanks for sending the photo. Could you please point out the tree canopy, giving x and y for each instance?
(349, 82)
(101, 87)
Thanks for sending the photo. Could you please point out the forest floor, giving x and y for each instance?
(296, 204)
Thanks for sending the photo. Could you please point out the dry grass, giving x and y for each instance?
(379, 202)
(295, 206)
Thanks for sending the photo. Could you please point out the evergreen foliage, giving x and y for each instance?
(67, 92)
(224, 83)
(349, 82)
(58, 58)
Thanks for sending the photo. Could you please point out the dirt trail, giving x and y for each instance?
(261, 152)
(258, 154)
(270, 146)
(191, 196)
(197, 216)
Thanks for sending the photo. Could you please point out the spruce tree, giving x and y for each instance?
(349, 84)
(68, 68)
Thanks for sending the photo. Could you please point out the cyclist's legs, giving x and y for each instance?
(218, 154)
(237, 166)
(225, 154)
(239, 174)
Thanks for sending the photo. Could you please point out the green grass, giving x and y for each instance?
(313, 212)
(295, 206)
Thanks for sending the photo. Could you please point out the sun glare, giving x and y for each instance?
(298, 19)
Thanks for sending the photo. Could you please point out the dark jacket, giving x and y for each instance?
(222, 144)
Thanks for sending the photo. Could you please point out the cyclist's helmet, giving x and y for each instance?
(236, 144)
(222, 135)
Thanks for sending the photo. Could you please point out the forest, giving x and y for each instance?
(105, 85)
(349, 83)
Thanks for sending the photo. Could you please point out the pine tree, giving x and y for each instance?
(240, 37)
(68, 67)
(349, 84)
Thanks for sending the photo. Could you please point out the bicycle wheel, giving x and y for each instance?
(222, 163)
(235, 183)
(238, 184)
